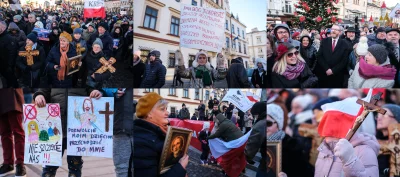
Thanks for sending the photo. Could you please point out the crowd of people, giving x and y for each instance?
(333, 57)
(313, 141)
(34, 58)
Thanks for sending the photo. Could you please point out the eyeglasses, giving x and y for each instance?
(291, 54)
(282, 32)
(270, 123)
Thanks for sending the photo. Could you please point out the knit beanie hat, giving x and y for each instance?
(39, 24)
(98, 42)
(32, 37)
(78, 31)
(18, 17)
(395, 109)
(66, 36)
(362, 46)
(258, 108)
(276, 112)
(104, 25)
(146, 103)
(379, 52)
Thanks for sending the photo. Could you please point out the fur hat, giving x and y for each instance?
(66, 36)
(379, 52)
(146, 103)
(362, 46)
(195, 63)
(276, 112)
(33, 37)
(284, 48)
(98, 42)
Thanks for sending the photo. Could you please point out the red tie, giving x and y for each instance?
(333, 45)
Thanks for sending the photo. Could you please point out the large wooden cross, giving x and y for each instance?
(107, 65)
(80, 49)
(107, 114)
(28, 54)
(392, 148)
(368, 107)
(311, 131)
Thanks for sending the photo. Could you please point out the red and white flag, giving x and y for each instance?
(94, 9)
(230, 155)
(252, 98)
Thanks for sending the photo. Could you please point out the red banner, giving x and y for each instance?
(194, 125)
(94, 13)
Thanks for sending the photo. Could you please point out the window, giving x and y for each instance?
(226, 25)
(244, 48)
(227, 42)
(207, 94)
(191, 59)
(148, 90)
(243, 33)
(233, 29)
(175, 26)
(172, 91)
(173, 109)
(246, 64)
(258, 39)
(233, 45)
(238, 31)
(194, 3)
(240, 47)
(171, 60)
(288, 7)
(150, 18)
(216, 1)
(185, 93)
(196, 94)
(260, 50)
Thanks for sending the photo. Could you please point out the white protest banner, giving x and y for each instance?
(90, 126)
(43, 134)
(237, 98)
(125, 4)
(202, 28)
(94, 8)
(395, 13)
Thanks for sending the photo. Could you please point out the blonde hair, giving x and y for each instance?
(280, 66)
(34, 124)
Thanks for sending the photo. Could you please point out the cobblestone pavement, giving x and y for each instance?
(122, 78)
(186, 84)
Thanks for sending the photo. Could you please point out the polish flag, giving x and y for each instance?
(230, 155)
(94, 9)
(252, 98)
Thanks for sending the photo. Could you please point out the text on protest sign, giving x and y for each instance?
(202, 28)
(395, 13)
(94, 8)
(43, 134)
(239, 99)
(90, 126)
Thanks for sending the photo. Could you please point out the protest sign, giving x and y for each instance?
(43, 134)
(202, 28)
(239, 99)
(395, 13)
(90, 126)
(116, 42)
(43, 34)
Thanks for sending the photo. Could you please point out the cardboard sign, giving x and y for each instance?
(90, 126)
(202, 28)
(43, 135)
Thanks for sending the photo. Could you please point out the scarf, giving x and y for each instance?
(163, 128)
(292, 72)
(203, 73)
(136, 62)
(367, 71)
(63, 63)
(279, 135)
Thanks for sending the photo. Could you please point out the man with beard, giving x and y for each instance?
(351, 37)
(282, 34)
(155, 71)
(393, 37)
(377, 38)
(333, 58)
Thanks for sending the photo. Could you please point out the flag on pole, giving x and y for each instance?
(395, 13)
(94, 8)
(237, 98)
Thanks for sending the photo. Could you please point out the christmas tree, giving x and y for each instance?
(316, 13)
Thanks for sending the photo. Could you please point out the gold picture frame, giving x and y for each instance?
(176, 138)
(274, 158)
(73, 65)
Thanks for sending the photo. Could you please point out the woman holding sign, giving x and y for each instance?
(118, 39)
(149, 136)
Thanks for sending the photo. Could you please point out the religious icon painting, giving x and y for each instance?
(90, 126)
(74, 64)
(176, 145)
(274, 157)
(43, 134)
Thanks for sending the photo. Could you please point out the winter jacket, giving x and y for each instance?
(237, 76)
(53, 39)
(248, 119)
(53, 58)
(83, 45)
(154, 75)
(259, 78)
(21, 25)
(227, 131)
(107, 41)
(351, 43)
(138, 72)
(184, 113)
(372, 39)
(290, 40)
(203, 136)
(12, 99)
(193, 117)
(19, 37)
(366, 149)
(149, 144)
(29, 27)
(309, 54)
(353, 60)
(93, 64)
(31, 78)
(8, 55)
(123, 117)
(305, 80)
(257, 142)
(356, 81)
(60, 96)
(86, 34)
(201, 108)
(119, 53)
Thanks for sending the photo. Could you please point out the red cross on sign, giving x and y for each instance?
(54, 110)
(30, 112)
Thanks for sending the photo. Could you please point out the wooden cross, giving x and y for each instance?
(392, 148)
(368, 107)
(107, 114)
(79, 49)
(107, 65)
(29, 53)
(311, 131)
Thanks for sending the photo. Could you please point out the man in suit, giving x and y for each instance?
(393, 36)
(333, 57)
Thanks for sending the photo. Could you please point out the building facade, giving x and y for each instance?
(156, 27)
(257, 41)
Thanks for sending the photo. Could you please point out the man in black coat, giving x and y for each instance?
(31, 23)
(351, 37)
(105, 37)
(333, 57)
(154, 75)
(393, 37)
(202, 108)
(8, 55)
(237, 75)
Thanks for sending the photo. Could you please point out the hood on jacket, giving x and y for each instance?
(290, 40)
(263, 61)
(221, 118)
(13, 26)
(309, 43)
(195, 64)
(365, 139)
(237, 60)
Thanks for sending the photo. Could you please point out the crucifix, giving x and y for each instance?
(311, 131)
(107, 65)
(79, 49)
(367, 108)
(29, 53)
(107, 114)
(392, 148)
